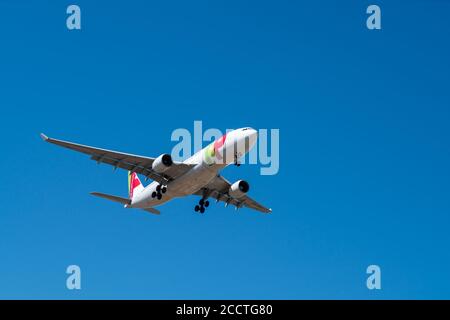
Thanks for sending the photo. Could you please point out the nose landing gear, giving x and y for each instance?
(202, 204)
(236, 161)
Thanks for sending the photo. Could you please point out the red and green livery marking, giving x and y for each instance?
(133, 182)
(212, 151)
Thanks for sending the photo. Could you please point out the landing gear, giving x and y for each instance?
(159, 191)
(202, 204)
(236, 162)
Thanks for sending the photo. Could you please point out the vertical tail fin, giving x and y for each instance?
(134, 184)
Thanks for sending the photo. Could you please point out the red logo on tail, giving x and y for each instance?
(134, 182)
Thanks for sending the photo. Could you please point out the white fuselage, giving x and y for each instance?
(207, 164)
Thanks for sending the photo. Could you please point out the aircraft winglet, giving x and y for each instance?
(44, 137)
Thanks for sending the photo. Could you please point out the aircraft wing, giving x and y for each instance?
(218, 189)
(130, 162)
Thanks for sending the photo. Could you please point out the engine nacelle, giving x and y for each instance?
(239, 189)
(162, 163)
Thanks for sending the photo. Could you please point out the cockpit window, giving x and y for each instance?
(245, 129)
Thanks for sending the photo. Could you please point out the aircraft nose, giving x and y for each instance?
(252, 135)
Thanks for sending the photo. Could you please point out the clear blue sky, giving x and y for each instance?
(364, 127)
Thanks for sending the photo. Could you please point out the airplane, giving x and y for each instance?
(197, 175)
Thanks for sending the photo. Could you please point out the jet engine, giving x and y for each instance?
(239, 189)
(162, 163)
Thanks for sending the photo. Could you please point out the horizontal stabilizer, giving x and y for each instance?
(111, 197)
(152, 210)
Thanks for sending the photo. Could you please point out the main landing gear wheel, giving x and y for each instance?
(159, 191)
(202, 204)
